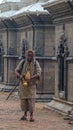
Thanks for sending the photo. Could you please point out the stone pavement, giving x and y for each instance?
(46, 119)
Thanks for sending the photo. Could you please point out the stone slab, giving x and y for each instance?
(61, 107)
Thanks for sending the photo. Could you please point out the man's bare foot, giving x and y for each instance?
(31, 120)
(23, 118)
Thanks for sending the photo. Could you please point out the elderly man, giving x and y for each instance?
(30, 74)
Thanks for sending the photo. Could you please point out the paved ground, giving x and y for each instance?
(46, 119)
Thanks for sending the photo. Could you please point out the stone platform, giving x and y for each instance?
(61, 106)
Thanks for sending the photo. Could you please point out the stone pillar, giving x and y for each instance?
(62, 67)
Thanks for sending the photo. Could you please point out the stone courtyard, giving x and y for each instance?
(45, 119)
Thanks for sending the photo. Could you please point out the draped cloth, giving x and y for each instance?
(26, 92)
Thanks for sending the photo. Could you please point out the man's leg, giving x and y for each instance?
(31, 103)
(24, 107)
(31, 117)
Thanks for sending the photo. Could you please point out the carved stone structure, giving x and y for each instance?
(25, 47)
(34, 24)
(1, 61)
(62, 15)
(62, 55)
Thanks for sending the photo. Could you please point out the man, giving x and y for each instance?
(30, 73)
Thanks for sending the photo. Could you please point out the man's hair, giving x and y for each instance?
(30, 52)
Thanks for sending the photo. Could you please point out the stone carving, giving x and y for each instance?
(62, 53)
(1, 48)
(62, 48)
(39, 49)
(25, 47)
(11, 51)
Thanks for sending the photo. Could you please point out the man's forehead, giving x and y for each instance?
(30, 53)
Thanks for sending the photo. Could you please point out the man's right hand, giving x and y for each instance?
(20, 77)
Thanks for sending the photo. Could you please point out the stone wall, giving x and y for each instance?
(11, 6)
(49, 76)
(70, 82)
(49, 41)
(29, 2)
(69, 32)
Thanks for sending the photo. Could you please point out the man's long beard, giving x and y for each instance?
(29, 60)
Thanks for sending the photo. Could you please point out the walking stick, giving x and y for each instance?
(12, 90)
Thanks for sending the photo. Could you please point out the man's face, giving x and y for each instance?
(30, 57)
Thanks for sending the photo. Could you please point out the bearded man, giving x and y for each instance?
(30, 74)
